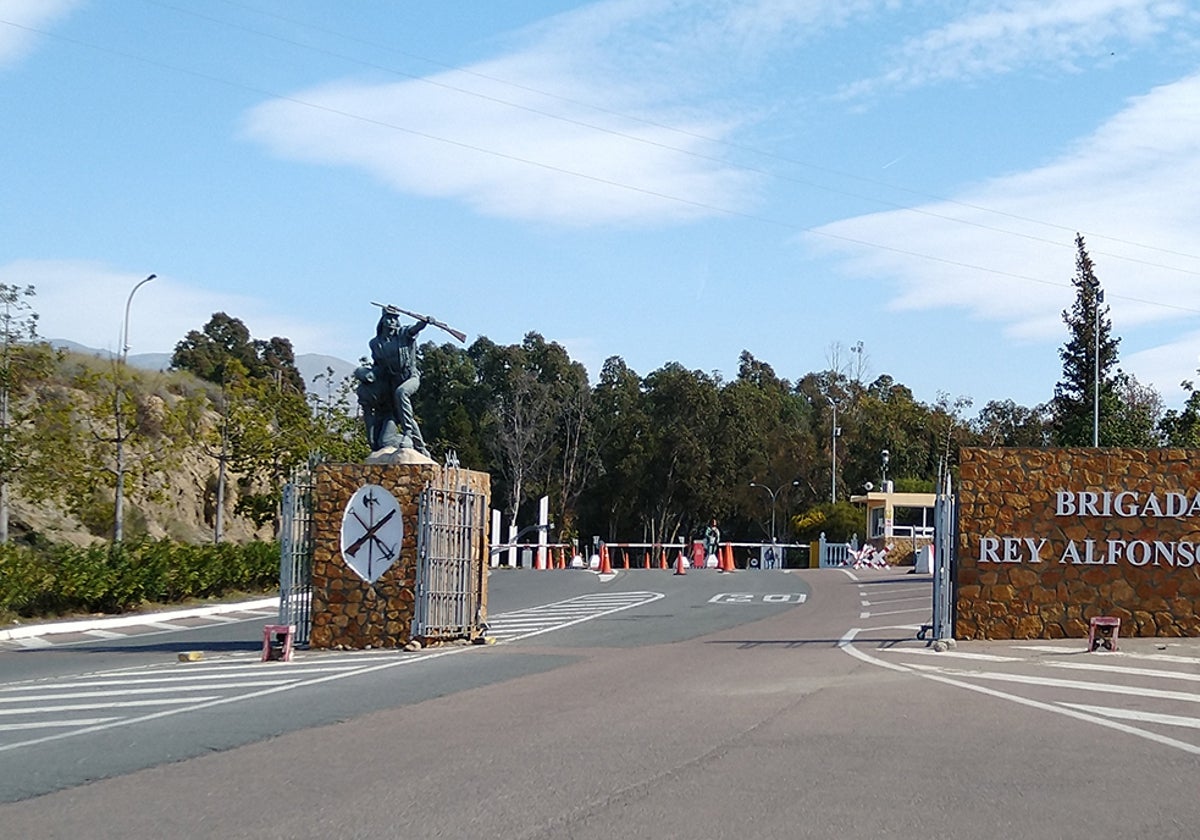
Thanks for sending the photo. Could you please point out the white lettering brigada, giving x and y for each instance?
(1127, 504)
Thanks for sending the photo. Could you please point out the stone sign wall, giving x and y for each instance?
(365, 550)
(1049, 538)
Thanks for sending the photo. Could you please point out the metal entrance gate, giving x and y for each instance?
(296, 553)
(945, 542)
(451, 547)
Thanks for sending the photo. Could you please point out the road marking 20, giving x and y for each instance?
(754, 598)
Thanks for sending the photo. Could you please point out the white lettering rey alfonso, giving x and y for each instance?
(1126, 503)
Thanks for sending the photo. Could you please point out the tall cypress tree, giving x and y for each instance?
(1073, 404)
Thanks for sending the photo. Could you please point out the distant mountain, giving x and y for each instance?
(310, 365)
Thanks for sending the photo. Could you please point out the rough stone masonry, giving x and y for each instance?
(348, 611)
(1049, 538)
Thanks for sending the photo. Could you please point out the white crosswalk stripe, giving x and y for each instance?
(44, 710)
(534, 621)
(1140, 690)
(1135, 692)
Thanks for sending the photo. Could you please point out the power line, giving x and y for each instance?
(692, 135)
(708, 207)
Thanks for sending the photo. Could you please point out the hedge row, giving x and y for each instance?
(103, 578)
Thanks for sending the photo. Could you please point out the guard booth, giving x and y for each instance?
(904, 521)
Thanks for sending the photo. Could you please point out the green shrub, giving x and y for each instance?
(102, 578)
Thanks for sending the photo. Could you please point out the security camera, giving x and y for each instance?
(869, 486)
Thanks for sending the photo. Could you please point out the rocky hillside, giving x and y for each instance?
(180, 505)
(178, 501)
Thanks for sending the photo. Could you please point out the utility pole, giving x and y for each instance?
(1098, 298)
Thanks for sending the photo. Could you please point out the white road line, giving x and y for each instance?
(83, 695)
(1131, 672)
(866, 603)
(277, 687)
(161, 629)
(849, 574)
(958, 654)
(221, 701)
(1131, 714)
(1078, 685)
(925, 597)
(172, 679)
(32, 642)
(52, 724)
(120, 704)
(900, 612)
(629, 601)
(864, 615)
(1050, 648)
(106, 634)
(846, 644)
(1159, 657)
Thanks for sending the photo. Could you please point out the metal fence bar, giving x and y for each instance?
(450, 533)
(295, 555)
(945, 519)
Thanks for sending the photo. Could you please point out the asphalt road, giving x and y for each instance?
(753, 705)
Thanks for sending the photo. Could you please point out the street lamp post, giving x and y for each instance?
(125, 328)
(833, 436)
(886, 456)
(774, 494)
(120, 435)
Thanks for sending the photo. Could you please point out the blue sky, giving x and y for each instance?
(660, 180)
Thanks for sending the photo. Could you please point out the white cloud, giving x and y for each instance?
(499, 150)
(1009, 36)
(19, 17)
(1164, 367)
(85, 302)
(1129, 188)
(503, 161)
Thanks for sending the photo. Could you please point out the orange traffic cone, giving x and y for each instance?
(680, 567)
(625, 558)
(647, 558)
(662, 559)
(605, 566)
(729, 564)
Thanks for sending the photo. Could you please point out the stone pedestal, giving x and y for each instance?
(349, 611)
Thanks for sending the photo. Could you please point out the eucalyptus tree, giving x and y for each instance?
(766, 437)
(1005, 423)
(680, 482)
(571, 458)
(1181, 427)
(448, 406)
(519, 418)
(621, 434)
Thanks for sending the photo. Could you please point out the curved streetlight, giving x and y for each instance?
(774, 494)
(834, 431)
(125, 329)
